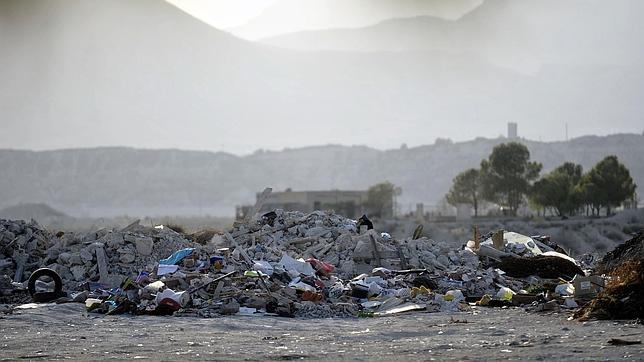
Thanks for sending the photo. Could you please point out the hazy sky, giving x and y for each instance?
(257, 19)
(223, 14)
(77, 73)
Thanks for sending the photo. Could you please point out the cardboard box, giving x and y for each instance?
(523, 299)
(587, 287)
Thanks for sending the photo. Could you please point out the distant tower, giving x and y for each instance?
(512, 130)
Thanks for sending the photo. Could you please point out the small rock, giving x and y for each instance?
(127, 258)
(86, 255)
(63, 258)
(144, 246)
(75, 259)
(231, 307)
(114, 240)
(78, 272)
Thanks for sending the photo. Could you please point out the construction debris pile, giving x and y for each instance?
(314, 265)
(334, 240)
(110, 256)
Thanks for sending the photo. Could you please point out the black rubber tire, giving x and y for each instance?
(39, 273)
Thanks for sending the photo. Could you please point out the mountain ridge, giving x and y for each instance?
(115, 181)
(508, 33)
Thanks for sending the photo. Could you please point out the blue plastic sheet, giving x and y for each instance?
(177, 256)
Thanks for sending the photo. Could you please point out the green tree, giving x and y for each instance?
(539, 195)
(380, 199)
(465, 190)
(559, 189)
(506, 175)
(608, 184)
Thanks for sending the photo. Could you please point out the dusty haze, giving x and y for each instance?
(146, 74)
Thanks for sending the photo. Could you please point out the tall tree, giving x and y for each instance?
(507, 174)
(608, 184)
(540, 195)
(559, 189)
(465, 189)
(380, 199)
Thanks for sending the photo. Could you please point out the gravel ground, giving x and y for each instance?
(66, 331)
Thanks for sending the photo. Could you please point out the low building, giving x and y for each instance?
(352, 204)
(346, 203)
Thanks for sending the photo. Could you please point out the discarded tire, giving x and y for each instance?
(44, 297)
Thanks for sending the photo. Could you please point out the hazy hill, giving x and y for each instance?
(40, 212)
(111, 181)
(77, 73)
(523, 34)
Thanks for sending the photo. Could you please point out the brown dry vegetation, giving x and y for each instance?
(622, 298)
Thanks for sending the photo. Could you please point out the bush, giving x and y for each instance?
(632, 229)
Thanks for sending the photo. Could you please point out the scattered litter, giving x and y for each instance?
(176, 257)
(315, 265)
(566, 289)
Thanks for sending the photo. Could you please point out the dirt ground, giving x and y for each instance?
(66, 331)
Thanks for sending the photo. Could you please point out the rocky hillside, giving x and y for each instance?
(115, 181)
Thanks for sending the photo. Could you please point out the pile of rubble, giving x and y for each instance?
(314, 265)
(22, 248)
(335, 240)
(110, 256)
(106, 256)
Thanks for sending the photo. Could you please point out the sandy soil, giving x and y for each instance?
(65, 331)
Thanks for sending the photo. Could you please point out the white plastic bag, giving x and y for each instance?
(505, 293)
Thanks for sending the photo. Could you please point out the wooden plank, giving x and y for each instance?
(497, 240)
(213, 281)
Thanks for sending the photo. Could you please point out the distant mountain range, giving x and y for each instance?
(521, 34)
(117, 181)
(76, 73)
